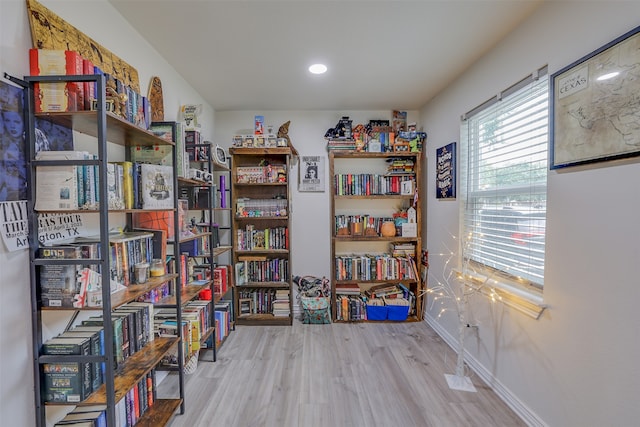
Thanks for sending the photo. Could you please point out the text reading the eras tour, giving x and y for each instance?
(57, 227)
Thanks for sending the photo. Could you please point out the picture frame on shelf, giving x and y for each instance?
(244, 305)
(220, 156)
(164, 130)
(594, 108)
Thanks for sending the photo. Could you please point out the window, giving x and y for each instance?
(504, 145)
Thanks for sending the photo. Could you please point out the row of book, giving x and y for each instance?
(375, 267)
(129, 185)
(264, 301)
(257, 208)
(367, 184)
(73, 382)
(128, 410)
(77, 286)
(400, 165)
(251, 239)
(351, 308)
(79, 96)
(223, 319)
(268, 270)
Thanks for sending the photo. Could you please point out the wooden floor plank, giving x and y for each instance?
(343, 375)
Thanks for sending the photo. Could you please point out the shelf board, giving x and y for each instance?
(261, 218)
(195, 236)
(365, 154)
(188, 293)
(374, 196)
(134, 369)
(131, 293)
(189, 181)
(373, 282)
(160, 413)
(262, 319)
(374, 239)
(259, 184)
(119, 131)
(260, 151)
(220, 250)
(278, 285)
(262, 251)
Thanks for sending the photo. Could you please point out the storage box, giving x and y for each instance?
(377, 312)
(397, 312)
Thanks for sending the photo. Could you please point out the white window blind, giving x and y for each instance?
(504, 181)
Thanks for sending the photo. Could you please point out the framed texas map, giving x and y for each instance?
(49, 31)
(595, 105)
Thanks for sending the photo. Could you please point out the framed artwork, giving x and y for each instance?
(164, 130)
(446, 172)
(311, 173)
(595, 106)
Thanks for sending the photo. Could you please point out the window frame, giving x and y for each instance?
(524, 294)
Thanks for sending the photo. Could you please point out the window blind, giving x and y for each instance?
(504, 181)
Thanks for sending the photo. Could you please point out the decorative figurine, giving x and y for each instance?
(283, 132)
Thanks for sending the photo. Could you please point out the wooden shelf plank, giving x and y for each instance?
(119, 131)
(263, 319)
(188, 293)
(160, 413)
(133, 370)
(279, 285)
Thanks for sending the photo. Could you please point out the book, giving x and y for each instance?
(96, 340)
(127, 183)
(68, 381)
(88, 87)
(62, 96)
(156, 186)
(115, 186)
(94, 418)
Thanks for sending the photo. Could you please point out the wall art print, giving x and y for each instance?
(446, 172)
(595, 110)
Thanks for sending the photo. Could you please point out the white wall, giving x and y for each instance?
(98, 20)
(578, 364)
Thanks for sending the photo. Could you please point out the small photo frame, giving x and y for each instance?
(245, 305)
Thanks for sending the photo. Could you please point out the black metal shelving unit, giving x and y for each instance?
(107, 128)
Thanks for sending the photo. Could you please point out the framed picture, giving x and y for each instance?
(245, 306)
(446, 172)
(595, 107)
(164, 130)
(311, 173)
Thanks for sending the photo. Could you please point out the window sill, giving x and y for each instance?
(527, 300)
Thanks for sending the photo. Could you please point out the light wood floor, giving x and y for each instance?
(339, 375)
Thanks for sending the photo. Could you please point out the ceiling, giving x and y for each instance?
(254, 55)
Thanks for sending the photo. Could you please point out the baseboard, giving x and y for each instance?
(522, 410)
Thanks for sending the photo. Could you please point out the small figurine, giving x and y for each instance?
(283, 132)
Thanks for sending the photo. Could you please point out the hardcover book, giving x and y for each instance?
(63, 96)
(156, 186)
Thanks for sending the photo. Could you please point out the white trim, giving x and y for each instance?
(519, 407)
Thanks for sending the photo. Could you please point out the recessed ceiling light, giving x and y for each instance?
(318, 69)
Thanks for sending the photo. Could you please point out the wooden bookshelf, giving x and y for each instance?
(367, 192)
(257, 207)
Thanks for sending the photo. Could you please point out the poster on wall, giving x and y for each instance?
(13, 162)
(53, 228)
(311, 174)
(446, 172)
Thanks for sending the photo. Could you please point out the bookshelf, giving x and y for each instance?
(261, 223)
(372, 254)
(119, 300)
(205, 247)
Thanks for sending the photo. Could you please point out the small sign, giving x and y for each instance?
(446, 172)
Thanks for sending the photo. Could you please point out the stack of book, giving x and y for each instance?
(341, 144)
(347, 289)
(281, 307)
